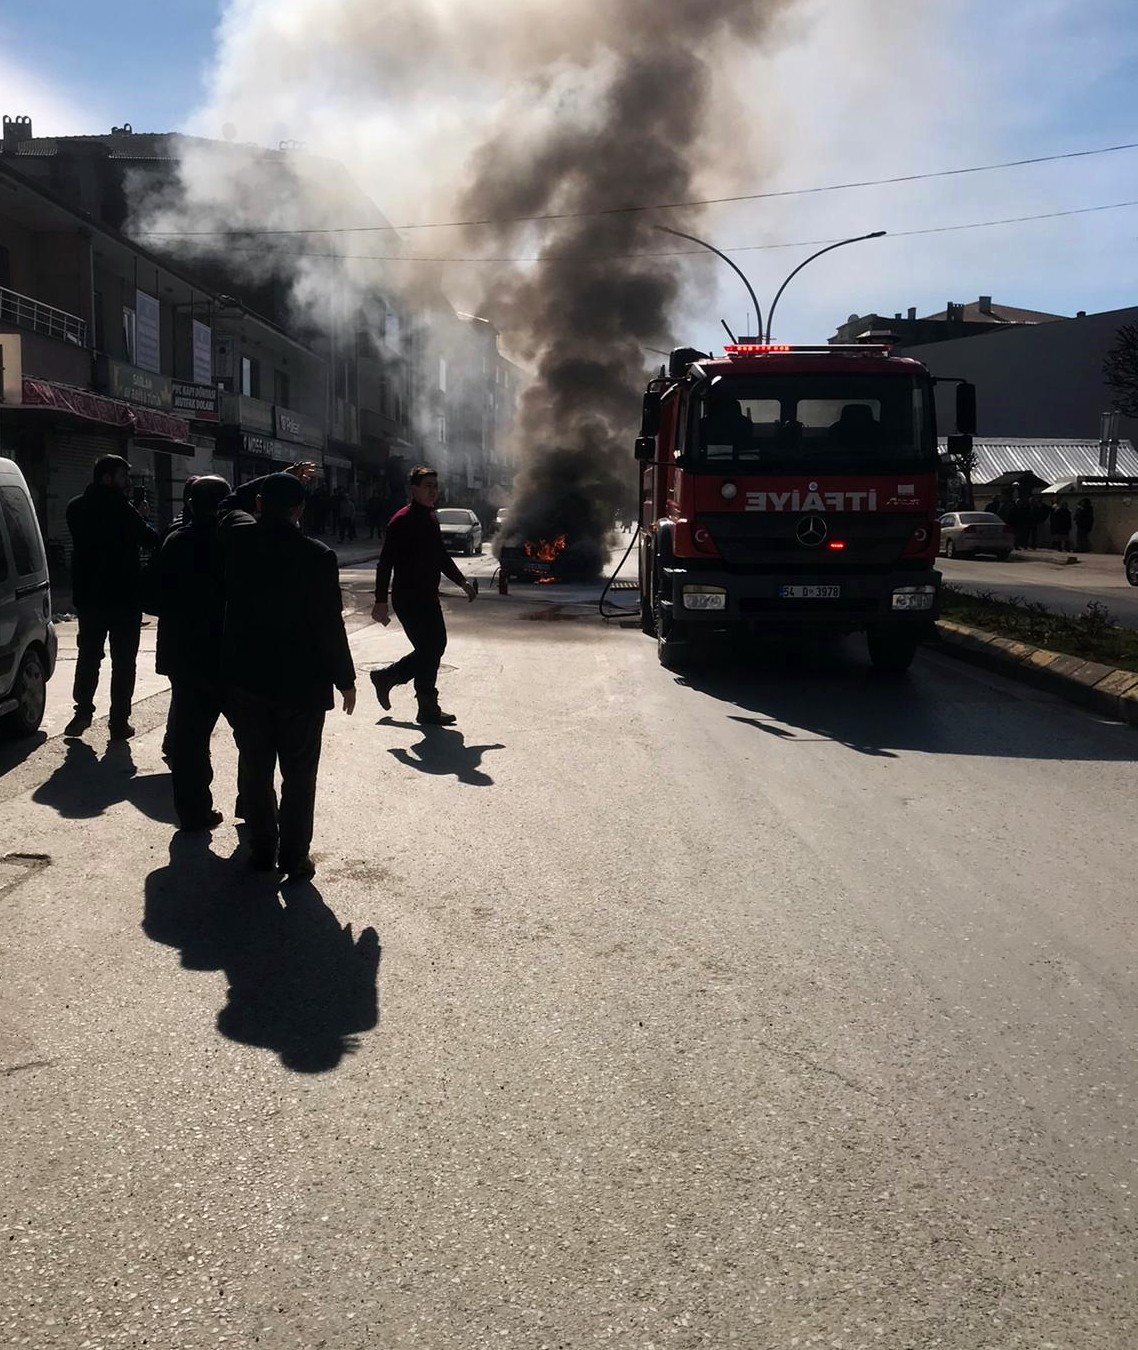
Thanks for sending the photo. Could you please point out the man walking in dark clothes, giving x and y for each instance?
(189, 599)
(410, 562)
(284, 647)
(107, 533)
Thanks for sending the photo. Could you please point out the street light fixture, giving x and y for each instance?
(711, 248)
(876, 234)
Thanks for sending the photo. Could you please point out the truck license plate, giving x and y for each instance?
(810, 592)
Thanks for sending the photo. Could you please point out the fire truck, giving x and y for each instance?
(791, 488)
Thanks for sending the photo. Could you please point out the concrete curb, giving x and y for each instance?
(1105, 689)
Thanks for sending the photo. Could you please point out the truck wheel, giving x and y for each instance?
(891, 653)
(672, 650)
(30, 693)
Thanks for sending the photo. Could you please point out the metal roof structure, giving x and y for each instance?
(1003, 461)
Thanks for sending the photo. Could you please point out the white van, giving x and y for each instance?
(28, 644)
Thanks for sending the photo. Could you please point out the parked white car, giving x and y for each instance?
(28, 644)
(461, 529)
(964, 534)
(1130, 559)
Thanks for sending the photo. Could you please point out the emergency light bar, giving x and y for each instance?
(764, 348)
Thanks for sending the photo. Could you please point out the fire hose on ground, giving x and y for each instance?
(619, 611)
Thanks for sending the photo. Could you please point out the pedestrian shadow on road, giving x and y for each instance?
(85, 784)
(444, 752)
(300, 984)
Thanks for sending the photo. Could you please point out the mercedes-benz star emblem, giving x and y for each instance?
(810, 530)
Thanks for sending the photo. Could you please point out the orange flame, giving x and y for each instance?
(546, 550)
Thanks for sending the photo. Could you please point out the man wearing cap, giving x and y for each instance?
(284, 649)
(411, 561)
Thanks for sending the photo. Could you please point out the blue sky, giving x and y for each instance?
(861, 89)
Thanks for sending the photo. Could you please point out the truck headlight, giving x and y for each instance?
(705, 597)
(914, 597)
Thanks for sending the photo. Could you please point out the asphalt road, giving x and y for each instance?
(1047, 580)
(774, 1006)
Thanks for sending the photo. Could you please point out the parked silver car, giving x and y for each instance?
(28, 644)
(1130, 559)
(462, 530)
(965, 534)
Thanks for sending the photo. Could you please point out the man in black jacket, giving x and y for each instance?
(107, 534)
(189, 598)
(284, 647)
(412, 558)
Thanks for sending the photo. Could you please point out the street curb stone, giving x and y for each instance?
(1106, 689)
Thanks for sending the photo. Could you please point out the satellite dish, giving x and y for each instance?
(229, 131)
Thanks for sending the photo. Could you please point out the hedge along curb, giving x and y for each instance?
(1105, 689)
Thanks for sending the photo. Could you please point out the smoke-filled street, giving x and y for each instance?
(778, 1005)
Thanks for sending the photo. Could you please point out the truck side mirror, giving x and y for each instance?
(650, 414)
(646, 448)
(966, 408)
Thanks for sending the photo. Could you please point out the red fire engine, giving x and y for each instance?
(785, 488)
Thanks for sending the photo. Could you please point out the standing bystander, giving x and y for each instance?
(107, 534)
(284, 648)
(410, 562)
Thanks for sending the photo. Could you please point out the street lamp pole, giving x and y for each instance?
(876, 234)
(742, 277)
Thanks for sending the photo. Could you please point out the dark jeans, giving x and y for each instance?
(195, 707)
(123, 627)
(422, 621)
(269, 734)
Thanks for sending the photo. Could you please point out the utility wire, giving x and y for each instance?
(685, 252)
(661, 206)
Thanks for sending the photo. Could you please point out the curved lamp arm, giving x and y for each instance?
(742, 277)
(877, 234)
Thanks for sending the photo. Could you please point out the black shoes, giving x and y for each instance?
(210, 822)
(78, 724)
(435, 717)
(121, 731)
(383, 688)
(302, 870)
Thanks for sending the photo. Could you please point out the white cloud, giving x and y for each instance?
(53, 113)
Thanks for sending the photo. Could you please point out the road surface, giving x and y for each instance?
(778, 1005)
(1046, 579)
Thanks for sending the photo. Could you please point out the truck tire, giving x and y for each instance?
(672, 648)
(672, 651)
(890, 652)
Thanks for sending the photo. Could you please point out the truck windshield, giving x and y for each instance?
(827, 422)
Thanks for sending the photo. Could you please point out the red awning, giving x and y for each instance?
(93, 407)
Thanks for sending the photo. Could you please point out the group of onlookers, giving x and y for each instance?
(250, 628)
(1038, 524)
(336, 512)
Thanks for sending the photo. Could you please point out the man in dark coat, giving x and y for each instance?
(284, 648)
(412, 558)
(189, 598)
(1084, 524)
(107, 535)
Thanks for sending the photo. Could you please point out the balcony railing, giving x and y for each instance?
(25, 312)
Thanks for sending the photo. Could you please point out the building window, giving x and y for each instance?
(128, 332)
(281, 389)
(250, 377)
(442, 375)
(442, 429)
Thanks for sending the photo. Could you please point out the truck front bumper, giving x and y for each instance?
(823, 600)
